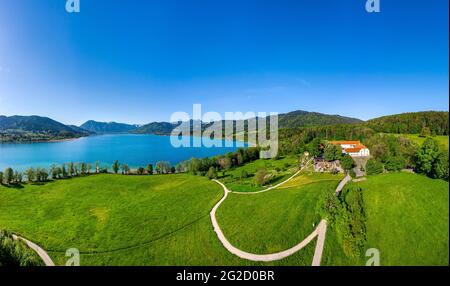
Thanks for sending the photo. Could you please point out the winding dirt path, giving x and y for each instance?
(319, 232)
(41, 252)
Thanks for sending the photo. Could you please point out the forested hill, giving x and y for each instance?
(156, 128)
(36, 128)
(435, 122)
(108, 127)
(288, 120)
(302, 118)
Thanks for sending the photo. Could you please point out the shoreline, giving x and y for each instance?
(41, 141)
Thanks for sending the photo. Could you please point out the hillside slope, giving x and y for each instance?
(302, 118)
(36, 128)
(107, 127)
(412, 122)
(293, 119)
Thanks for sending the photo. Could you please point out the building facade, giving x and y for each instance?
(353, 148)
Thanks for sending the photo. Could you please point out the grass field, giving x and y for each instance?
(443, 140)
(164, 220)
(407, 220)
(272, 221)
(125, 220)
(305, 178)
(280, 169)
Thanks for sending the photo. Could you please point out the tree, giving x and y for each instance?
(41, 175)
(1, 178)
(239, 158)
(89, 168)
(163, 167)
(374, 167)
(31, 174)
(83, 168)
(18, 177)
(71, 169)
(97, 167)
(125, 169)
(64, 171)
(261, 177)
(426, 157)
(54, 172)
(332, 152)
(225, 163)
(76, 168)
(173, 170)
(115, 167)
(8, 176)
(347, 162)
(212, 173)
(140, 171)
(194, 165)
(313, 147)
(425, 132)
(150, 169)
(395, 163)
(441, 167)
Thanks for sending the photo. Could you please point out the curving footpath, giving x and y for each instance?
(320, 232)
(41, 252)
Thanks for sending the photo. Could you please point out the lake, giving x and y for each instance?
(134, 150)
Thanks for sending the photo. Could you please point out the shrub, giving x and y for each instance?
(395, 163)
(346, 214)
(16, 253)
(332, 152)
(212, 173)
(347, 162)
(373, 167)
(261, 177)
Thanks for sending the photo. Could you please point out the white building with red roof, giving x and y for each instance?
(353, 148)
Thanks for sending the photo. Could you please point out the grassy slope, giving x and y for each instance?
(407, 220)
(287, 166)
(164, 220)
(443, 140)
(124, 220)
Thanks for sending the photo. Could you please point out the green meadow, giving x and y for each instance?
(407, 220)
(443, 140)
(279, 169)
(124, 220)
(164, 219)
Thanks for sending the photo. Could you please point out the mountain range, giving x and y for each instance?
(108, 127)
(36, 128)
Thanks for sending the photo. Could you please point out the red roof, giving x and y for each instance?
(345, 142)
(355, 149)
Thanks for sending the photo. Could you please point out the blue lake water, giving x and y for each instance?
(135, 150)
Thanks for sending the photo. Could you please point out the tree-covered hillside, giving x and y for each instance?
(156, 128)
(412, 123)
(302, 118)
(108, 127)
(36, 128)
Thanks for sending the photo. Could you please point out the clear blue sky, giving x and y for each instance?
(139, 61)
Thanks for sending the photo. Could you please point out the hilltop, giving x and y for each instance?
(108, 127)
(36, 128)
